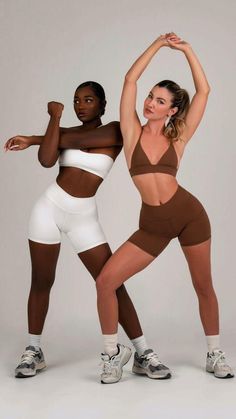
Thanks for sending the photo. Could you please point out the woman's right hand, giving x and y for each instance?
(55, 109)
(164, 39)
(17, 143)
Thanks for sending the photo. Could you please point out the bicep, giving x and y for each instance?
(194, 115)
(129, 120)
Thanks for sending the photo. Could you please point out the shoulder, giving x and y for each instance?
(112, 125)
(64, 130)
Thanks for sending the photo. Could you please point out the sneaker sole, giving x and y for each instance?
(126, 359)
(217, 376)
(141, 371)
(39, 368)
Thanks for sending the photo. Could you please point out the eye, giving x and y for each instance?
(89, 100)
(160, 101)
(150, 96)
(76, 101)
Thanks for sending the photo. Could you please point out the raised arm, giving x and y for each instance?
(48, 151)
(106, 136)
(129, 121)
(199, 100)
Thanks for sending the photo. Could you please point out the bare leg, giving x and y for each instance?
(124, 263)
(94, 260)
(198, 258)
(44, 259)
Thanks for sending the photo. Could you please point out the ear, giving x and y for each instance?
(173, 111)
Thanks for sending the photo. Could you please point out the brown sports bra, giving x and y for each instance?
(140, 164)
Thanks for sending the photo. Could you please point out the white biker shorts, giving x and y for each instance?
(56, 211)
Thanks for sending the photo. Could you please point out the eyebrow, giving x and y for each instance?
(88, 96)
(162, 98)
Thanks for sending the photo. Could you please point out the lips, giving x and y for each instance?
(148, 110)
(82, 114)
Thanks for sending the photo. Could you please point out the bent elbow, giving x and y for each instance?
(45, 163)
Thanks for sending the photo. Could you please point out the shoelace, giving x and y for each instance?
(153, 357)
(28, 356)
(220, 358)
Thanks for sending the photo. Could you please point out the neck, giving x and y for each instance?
(92, 124)
(155, 127)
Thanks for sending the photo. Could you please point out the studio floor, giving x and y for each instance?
(70, 388)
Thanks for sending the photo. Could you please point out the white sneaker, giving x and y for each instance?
(32, 361)
(150, 365)
(216, 364)
(112, 366)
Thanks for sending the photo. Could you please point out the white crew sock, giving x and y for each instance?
(140, 345)
(110, 344)
(34, 340)
(213, 342)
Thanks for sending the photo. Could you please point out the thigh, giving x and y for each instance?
(94, 259)
(43, 227)
(194, 223)
(85, 231)
(44, 260)
(199, 262)
(128, 260)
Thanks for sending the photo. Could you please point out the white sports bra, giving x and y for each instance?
(98, 164)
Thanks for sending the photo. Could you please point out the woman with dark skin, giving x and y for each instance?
(153, 153)
(78, 181)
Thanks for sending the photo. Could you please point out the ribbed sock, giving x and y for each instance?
(34, 340)
(140, 345)
(213, 342)
(110, 344)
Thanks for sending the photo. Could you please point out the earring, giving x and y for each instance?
(167, 120)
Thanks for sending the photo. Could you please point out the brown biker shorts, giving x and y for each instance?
(183, 216)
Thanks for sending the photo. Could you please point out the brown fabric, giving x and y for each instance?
(183, 216)
(140, 163)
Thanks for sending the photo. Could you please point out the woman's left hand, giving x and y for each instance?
(175, 42)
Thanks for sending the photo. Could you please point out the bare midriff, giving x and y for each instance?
(155, 188)
(78, 182)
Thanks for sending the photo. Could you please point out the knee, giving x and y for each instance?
(41, 282)
(204, 288)
(104, 283)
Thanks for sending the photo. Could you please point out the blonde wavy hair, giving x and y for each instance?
(180, 99)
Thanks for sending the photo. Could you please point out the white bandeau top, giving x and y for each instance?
(98, 164)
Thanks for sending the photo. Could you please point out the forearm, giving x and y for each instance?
(199, 78)
(107, 136)
(142, 62)
(48, 150)
(36, 139)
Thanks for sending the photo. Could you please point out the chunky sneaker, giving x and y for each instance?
(216, 364)
(112, 366)
(149, 364)
(32, 361)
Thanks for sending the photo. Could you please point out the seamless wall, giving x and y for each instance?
(49, 47)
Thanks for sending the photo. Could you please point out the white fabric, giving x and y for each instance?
(140, 345)
(56, 211)
(213, 342)
(34, 340)
(96, 163)
(110, 344)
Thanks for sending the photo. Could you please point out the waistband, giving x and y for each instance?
(68, 202)
(169, 208)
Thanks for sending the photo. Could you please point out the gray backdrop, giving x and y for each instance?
(48, 48)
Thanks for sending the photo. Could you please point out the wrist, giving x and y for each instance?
(34, 140)
(55, 117)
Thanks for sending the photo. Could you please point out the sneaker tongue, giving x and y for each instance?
(148, 351)
(30, 348)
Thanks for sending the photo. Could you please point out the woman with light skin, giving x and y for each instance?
(86, 153)
(153, 153)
